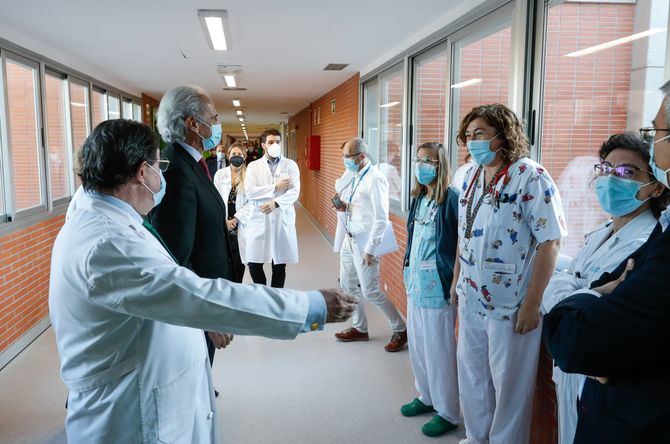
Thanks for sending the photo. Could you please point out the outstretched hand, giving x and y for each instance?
(340, 304)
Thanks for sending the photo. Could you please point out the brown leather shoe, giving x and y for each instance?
(397, 342)
(351, 334)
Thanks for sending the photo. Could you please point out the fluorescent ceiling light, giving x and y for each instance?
(236, 102)
(466, 83)
(77, 104)
(239, 112)
(390, 104)
(241, 119)
(213, 24)
(230, 80)
(617, 42)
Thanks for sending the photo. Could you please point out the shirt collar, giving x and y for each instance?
(665, 219)
(273, 162)
(118, 203)
(192, 151)
(367, 167)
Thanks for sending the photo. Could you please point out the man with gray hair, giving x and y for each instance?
(618, 330)
(362, 201)
(191, 218)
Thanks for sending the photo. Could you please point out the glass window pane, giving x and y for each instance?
(481, 73)
(113, 107)
(22, 96)
(430, 95)
(137, 112)
(127, 109)
(591, 93)
(371, 118)
(99, 103)
(79, 119)
(57, 137)
(390, 134)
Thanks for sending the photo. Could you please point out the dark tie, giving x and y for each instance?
(153, 231)
(203, 165)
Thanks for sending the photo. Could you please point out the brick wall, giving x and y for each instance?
(25, 258)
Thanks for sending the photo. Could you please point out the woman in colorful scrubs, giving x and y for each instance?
(428, 271)
(630, 194)
(510, 224)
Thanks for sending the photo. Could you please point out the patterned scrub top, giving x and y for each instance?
(422, 282)
(497, 261)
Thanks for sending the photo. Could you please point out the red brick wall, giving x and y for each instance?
(25, 258)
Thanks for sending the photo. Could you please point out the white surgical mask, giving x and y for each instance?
(274, 150)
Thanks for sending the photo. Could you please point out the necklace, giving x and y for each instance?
(428, 216)
(470, 213)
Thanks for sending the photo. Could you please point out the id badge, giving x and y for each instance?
(498, 267)
(428, 265)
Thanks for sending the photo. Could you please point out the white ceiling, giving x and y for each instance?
(137, 45)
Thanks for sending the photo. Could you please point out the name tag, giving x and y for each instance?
(498, 267)
(428, 265)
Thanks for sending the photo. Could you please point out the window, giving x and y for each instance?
(591, 92)
(79, 119)
(431, 80)
(481, 73)
(113, 106)
(99, 107)
(137, 112)
(383, 104)
(57, 135)
(25, 158)
(127, 109)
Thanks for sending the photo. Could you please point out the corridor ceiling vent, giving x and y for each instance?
(215, 26)
(335, 66)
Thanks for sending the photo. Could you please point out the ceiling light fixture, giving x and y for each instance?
(236, 102)
(466, 83)
(241, 119)
(213, 24)
(390, 104)
(617, 42)
(239, 112)
(230, 80)
(77, 104)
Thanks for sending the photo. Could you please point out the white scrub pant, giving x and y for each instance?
(432, 353)
(354, 273)
(568, 387)
(497, 370)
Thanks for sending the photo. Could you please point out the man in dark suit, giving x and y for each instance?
(217, 160)
(191, 218)
(619, 332)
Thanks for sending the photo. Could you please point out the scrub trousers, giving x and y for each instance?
(497, 370)
(359, 279)
(432, 352)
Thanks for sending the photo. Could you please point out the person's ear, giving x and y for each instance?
(141, 173)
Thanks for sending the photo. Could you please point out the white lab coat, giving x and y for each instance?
(128, 323)
(223, 183)
(602, 253)
(271, 237)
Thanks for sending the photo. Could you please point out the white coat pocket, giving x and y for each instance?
(175, 406)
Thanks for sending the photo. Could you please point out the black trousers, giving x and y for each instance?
(258, 275)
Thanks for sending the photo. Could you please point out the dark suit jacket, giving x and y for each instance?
(191, 218)
(446, 232)
(624, 336)
(213, 165)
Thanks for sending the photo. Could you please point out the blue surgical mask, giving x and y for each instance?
(219, 156)
(618, 196)
(425, 173)
(213, 140)
(660, 174)
(350, 164)
(158, 195)
(480, 150)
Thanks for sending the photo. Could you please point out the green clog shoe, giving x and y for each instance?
(437, 426)
(416, 407)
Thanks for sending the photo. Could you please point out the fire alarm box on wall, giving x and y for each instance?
(313, 152)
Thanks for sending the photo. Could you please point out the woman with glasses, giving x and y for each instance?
(510, 224)
(634, 199)
(428, 270)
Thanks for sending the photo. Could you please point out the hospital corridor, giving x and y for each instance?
(356, 222)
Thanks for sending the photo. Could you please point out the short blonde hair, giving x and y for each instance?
(506, 123)
(442, 186)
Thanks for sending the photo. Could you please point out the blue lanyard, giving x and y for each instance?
(355, 187)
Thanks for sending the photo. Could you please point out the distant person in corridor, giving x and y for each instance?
(363, 206)
(272, 185)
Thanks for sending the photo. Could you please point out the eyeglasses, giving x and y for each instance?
(351, 156)
(648, 133)
(624, 171)
(426, 160)
(163, 165)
